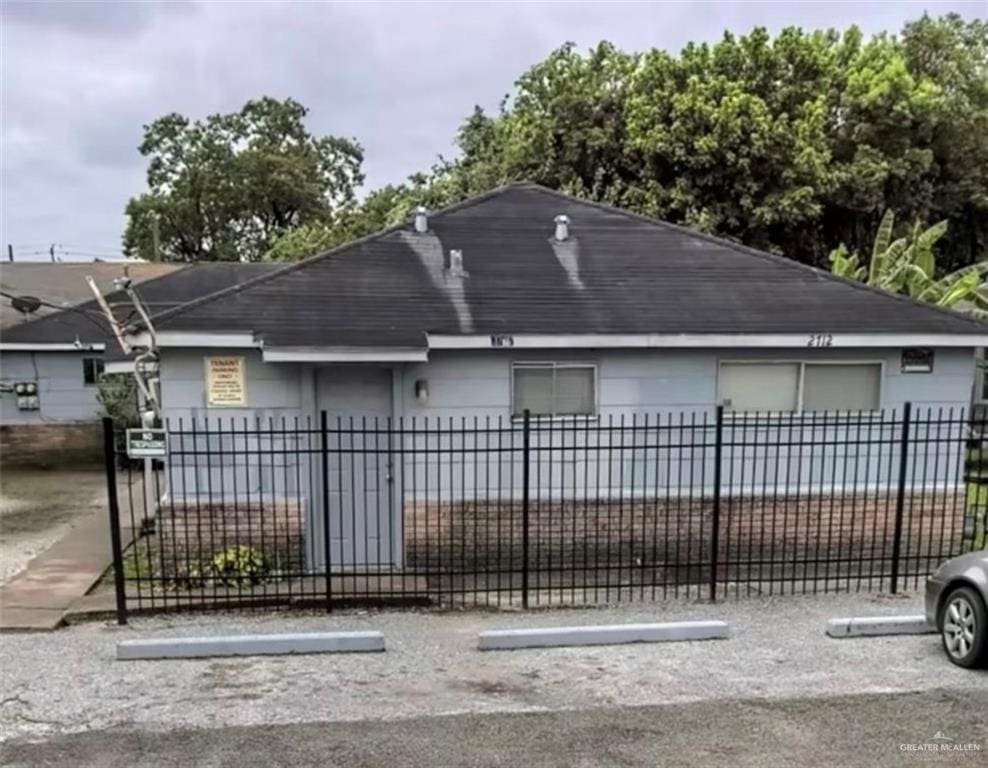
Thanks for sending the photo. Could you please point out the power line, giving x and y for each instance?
(87, 313)
(56, 251)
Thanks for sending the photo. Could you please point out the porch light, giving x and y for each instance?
(421, 390)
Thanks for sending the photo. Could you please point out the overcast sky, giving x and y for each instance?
(79, 80)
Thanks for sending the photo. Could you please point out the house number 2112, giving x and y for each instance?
(821, 340)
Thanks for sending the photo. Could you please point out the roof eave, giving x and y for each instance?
(706, 340)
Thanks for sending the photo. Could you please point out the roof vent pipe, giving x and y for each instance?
(456, 263)
(562, 227)
(421, 220)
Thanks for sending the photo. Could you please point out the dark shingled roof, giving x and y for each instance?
(619, 273)
(161, 294)
(64, 285)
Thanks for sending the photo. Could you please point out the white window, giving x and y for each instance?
(841, 387)
(800, 386)
(553, 389)
(759, 386)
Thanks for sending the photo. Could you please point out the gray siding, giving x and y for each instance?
(468, 384)
(273, 391)
(63, 395)
(209, 444)
(649, 381)
(463, 386)
(671, 385)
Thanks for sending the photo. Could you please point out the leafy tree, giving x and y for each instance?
(117, 396)
(301, 242)
(226, 187)
(384, 207)
(794, 143)
(725, 147)
(908, 265)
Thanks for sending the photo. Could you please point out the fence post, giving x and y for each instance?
(324, 455)
(715, 536)
(110, 459)
(526, 455)
(900, 499)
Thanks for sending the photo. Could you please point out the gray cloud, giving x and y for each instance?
(88, 17)
(80, 79)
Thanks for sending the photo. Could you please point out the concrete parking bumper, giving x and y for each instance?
(250, 645)
(874, 626)
(617, 634)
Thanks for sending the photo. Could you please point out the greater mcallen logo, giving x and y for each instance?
(941, 743)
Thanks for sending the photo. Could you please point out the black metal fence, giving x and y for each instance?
(497, 511)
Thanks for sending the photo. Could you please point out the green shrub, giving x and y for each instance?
(234, 566)
(241, 564)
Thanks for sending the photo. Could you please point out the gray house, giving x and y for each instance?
(58, 346)
(528, 299)
(50, 361)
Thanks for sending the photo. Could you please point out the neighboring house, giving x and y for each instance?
(57, 357)
(64, 285)
(525, 298)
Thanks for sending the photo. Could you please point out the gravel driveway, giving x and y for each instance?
(38, 507)
(68, 681)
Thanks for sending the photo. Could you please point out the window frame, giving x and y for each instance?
(802, 363)
(980, 375)
(99, 368)
(555, 365)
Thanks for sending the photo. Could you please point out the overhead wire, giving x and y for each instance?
(88, 314)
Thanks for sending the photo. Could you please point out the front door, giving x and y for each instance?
(362, 522)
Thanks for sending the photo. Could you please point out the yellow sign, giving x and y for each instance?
(225, 382)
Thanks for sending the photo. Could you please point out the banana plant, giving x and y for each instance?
(908, 265)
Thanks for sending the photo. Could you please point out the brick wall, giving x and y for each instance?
(666, 541)
(190, 534)
(53, 444)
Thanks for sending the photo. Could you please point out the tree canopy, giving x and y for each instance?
(226, 187)
(794, 143)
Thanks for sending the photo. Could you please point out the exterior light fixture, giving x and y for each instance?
(421, 390)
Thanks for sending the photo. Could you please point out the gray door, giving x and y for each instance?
(362, 521)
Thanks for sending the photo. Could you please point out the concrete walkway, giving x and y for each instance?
(38, 597)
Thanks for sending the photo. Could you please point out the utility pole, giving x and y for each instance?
(146, 376)
(108, 313)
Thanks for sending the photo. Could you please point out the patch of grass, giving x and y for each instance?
(138, 563)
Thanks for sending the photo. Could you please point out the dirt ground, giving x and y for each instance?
(38, 507)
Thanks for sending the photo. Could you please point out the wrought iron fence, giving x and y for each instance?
(496, 511)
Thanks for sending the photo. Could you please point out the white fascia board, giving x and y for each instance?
(196, 339)
(671, 341)
(344, 355)
(52, 347)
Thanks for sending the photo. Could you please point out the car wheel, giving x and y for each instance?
(963, 627)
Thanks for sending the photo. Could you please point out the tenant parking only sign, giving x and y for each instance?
(225, 382)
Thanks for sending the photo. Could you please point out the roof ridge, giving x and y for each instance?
(294, 265)
(775, 258)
